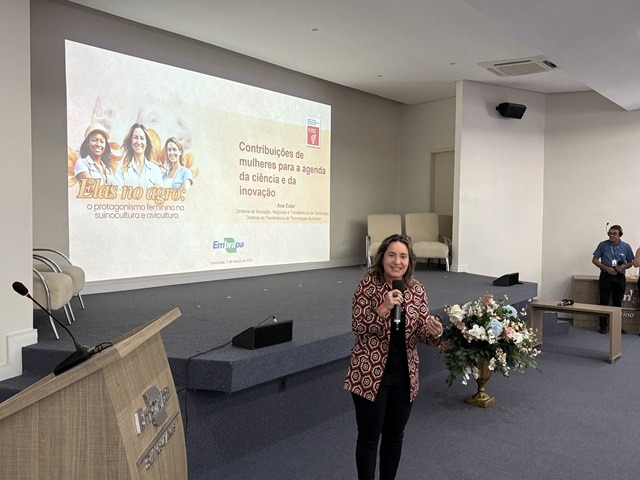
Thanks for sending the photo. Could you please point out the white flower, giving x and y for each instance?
(517, 337)
(492, 364)
(466, 375)
(478, 332)
(455, 313)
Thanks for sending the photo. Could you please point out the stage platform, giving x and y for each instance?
(237, 400)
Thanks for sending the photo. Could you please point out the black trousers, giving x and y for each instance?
(387, 416)
(611, 286)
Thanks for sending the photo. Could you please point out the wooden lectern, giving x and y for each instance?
(115, 416)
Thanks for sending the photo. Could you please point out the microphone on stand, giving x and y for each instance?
(82, 352)
(397, 309)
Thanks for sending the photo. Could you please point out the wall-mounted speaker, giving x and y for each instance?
(264, 335)
(511, 110)
(507, 280)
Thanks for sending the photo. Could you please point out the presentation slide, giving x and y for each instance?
(172, 171)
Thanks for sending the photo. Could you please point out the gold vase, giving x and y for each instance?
(481, 399)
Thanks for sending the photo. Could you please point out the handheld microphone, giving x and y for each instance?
(82, 352)
(397, 309)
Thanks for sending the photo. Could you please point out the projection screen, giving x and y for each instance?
(244, 182)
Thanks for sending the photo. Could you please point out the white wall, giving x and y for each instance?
(364, 136)
(364, 139)
(512, 177)
(498, 196)
(15, 135)
(592, 161)
(422, 129)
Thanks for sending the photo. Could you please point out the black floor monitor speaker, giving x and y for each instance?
(511, 110)
(507, 280)
(264, 335)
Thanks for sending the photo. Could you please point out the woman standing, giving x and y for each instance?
(138, 169)
(95, 155)
(177, 175)
(383, 369)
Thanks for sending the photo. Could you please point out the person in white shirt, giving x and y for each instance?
(138, 168)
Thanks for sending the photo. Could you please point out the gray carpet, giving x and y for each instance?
(576, 419)
(318, 302)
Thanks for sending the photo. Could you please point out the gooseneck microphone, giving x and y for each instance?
(82, 352)
(397, 309)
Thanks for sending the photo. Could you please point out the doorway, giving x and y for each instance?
(441, 182)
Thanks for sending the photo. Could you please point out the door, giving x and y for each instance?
(441, 188)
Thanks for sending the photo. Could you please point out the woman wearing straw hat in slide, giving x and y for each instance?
(95, 156)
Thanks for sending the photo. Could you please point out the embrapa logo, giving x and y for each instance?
(228, 244)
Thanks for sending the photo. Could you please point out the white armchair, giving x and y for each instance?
(424, 232)
(445, 231)
(379, 227)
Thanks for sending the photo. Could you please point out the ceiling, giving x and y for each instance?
(413, 51)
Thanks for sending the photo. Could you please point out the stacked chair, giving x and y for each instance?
(63, 263)
(56, 282)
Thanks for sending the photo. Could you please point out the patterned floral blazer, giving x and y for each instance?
(373, 333)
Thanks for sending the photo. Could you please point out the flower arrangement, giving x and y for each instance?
(486, 329)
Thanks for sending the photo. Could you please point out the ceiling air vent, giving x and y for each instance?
(519, 66)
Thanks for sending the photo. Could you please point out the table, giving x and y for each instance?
(586, 290)
(538, 307)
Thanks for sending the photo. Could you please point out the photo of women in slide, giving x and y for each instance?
(95, 156)
(177, 175)
(138, 168)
